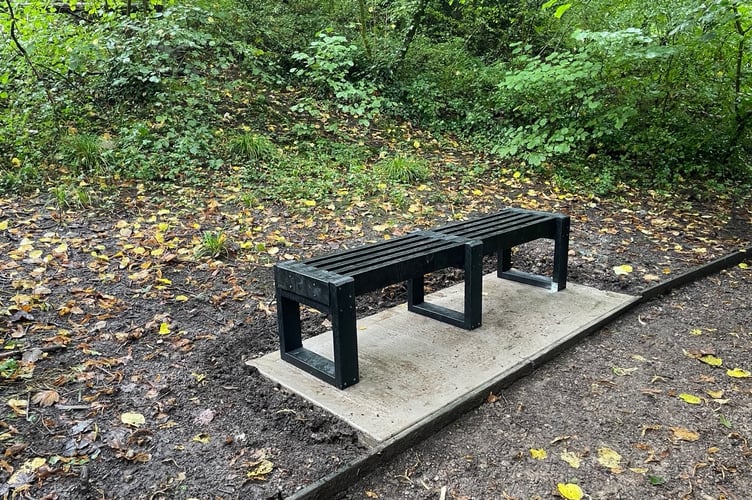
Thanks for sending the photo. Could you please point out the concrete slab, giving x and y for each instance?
(412, 367)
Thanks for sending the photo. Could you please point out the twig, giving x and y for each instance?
(11, 354)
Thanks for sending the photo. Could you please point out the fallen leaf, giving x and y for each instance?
(18, 406)
(738, 373)
(715, 394)
(259, 470)
(571, 458)
(133, 419)
(204, 417)
(46, 398)
(538, 453)
(372, 494)
(164, 328)
(711, 360)
(682, 434)
(742, 265)
(25, 473)
(181, 298)
(656, 480)
(624, 269)
(202, 438)
(608, 458)
(690, 398)
(570, 491)
(622, 372)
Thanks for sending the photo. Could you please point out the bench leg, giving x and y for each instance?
(343, 371)
(561, 254)
(558, 281)
(344, 332)
(473, 300)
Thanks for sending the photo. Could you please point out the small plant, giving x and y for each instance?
(66, 196)
(8, 368)
(406, 169)
(214, 244)
(85, 152)
(253, 147)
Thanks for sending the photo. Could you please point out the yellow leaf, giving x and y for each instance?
(416, 144)
(181, 298)
(24, 473)
(711, 360)
(35, 254)
(622, 269)
(695, 332)
(742, 265)
(260, 470)
(164, 328)
(690, 398)
(538, 453)
(18, 406)
(715, 394)
(682, 434)
(570, 491)
(198, 376)
(308, 203)
(477, 192)
(133, 419)
(60, 249)
(571, 458)
(608, 457)
(516, 175)
(4, 225)
(738, 373)
(201, 438)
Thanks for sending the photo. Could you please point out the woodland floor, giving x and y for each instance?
(123, 376)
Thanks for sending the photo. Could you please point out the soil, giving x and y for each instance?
(130, 380)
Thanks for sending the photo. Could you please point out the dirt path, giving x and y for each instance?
(122, 371)
(616, 415)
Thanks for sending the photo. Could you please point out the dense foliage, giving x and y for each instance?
(593, 92)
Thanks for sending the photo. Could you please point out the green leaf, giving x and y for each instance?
(561, 10)
(656, 480)
(724, 420)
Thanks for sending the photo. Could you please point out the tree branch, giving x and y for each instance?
(25, 55)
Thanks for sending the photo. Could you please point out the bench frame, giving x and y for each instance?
(330, 283)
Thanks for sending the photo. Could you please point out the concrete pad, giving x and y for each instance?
(412, 367)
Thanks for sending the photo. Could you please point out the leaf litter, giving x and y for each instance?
(123, 345)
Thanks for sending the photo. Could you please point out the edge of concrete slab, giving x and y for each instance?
(330, 485)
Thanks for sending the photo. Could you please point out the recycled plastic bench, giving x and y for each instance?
(331, 282)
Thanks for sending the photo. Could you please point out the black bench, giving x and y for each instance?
(330, 283)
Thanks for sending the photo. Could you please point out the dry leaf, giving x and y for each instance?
(571, 458)
(624, 269)
(259, 470)
(133, 419)
(682, 434)
(18, 406)
(608, 458)
(46, 398)
(202, 438)
(538, 453)
(711, 360)
(204, 417)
